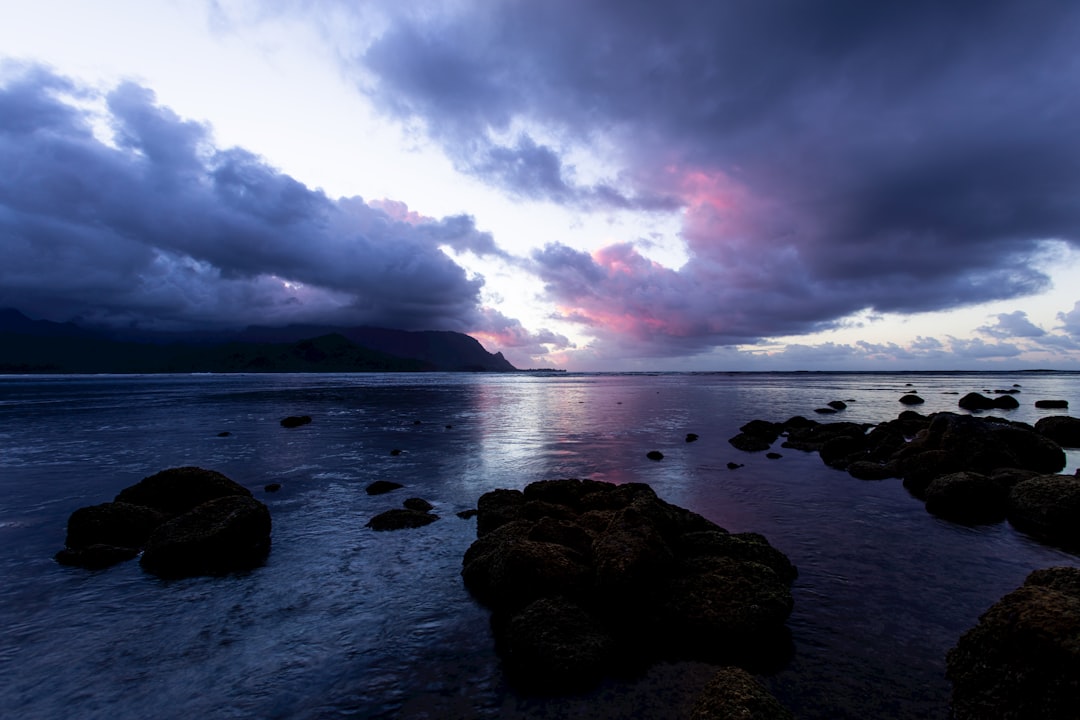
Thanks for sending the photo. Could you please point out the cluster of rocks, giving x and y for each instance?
(1022, 659)
(586, 579)
(967, 469)
(186, 521)
(414, 512)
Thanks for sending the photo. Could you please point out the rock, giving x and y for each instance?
(751, 443)
(1052, 404)
(1047, 507)
(764, 429)
(773, 455)
(740, 546)
(401, 519)
(272, 487)
(418, 504)
(553, 645)
(177, 490)
(226, 433)
(841, 451)
(825, 410)
(294, 421)
(1006, 402)
(734, 694)
(810, 438)
(506, 571)
(977, 401)
(381, 487)
(612, 570)
(837, 404)
(1022, 659)
(734, 465)
(219, 536)
(721, 609)
(691, 437)
(95, 557)
(911, 399)
(467, 514)
(1062, 429)
(112, 524)
(967, 497)
(497, 508)
(395, 452)
(654, 455)
(870, 470)
(964, 442)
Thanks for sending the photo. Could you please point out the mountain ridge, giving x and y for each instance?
(43, 346)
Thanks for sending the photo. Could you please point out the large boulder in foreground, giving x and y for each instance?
(733, 694)
(1062, 429)
(1048, 507)
(586, 579)
(1022, 660)
(177, 490)
(172, 503)
(217, 537)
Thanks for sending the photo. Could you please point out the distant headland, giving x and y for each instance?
(42, 346)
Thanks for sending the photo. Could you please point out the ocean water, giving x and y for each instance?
(344, 622)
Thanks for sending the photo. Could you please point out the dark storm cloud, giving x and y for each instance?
(830, 156)
(142, 219)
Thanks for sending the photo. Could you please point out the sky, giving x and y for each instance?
(582, 184)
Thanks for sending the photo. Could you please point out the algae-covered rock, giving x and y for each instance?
(734, 694)
(1022, 659)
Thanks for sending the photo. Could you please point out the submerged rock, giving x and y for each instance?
(585, 577)
(294, 421)
(1022, 659)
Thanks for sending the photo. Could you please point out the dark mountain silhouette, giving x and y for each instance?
(40, 346)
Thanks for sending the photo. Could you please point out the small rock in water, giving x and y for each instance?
(837, 404)
(224, 434)
(911, 399)
(272, 487)
(295, 421)
(773, 455)
(825, 410)
(1052, 404)
(691, 437)
(734, 465)
(418, 504)
(401, 519)
(380, 487)
(468, 514)
(395, 452)
(654, 455)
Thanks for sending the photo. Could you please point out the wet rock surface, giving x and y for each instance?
(1022, 659)
(586, 579)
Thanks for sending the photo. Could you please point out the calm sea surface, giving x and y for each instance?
(343, 622)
